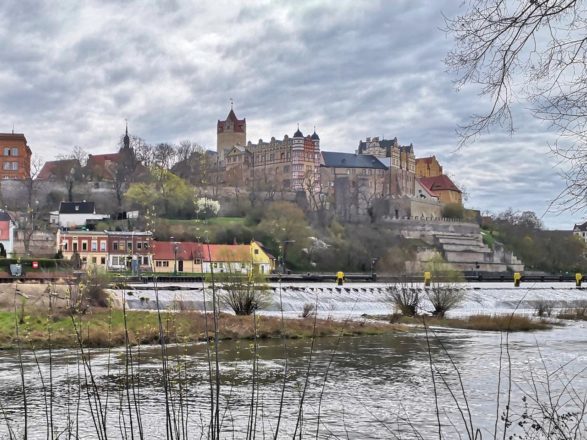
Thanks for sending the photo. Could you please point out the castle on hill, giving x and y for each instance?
(380, 169)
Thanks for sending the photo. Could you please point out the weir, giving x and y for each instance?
(355, 300)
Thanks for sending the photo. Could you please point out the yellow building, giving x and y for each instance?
(428, 167)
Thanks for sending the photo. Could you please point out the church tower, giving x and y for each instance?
(230, 132)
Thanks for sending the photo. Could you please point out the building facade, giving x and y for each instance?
(91, 246)
(180, 257)
(285, 164)
(15, 156)
(129, 250)
(428, 167)
(7, 227)
(399, 160)
(111, 250)
(229, 133)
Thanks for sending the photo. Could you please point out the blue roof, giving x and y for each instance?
(349, 160)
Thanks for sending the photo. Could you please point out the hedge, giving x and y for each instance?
(44, 263)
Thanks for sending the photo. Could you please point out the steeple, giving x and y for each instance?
(126, 141)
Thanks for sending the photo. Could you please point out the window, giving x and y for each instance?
(84, 260)
(15, 151)
(102, 246)
(145, 245)
(121, 246)
(84, 245)
(197, 261)
(94, 246)
(64, 245)
(139, 245)
(115, 246)
(94, 260)
(14, 166)
(6, 151)
(129, 246)
(166, 264)
(102, 260)
(256, 251)
(158, 263)
(145, 261)
(6, 165)
(215, 265)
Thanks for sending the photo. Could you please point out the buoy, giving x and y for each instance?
(339, 278)
(578, 279)
(517, 279)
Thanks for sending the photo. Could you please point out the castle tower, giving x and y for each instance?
(230, 132)
(297, 160)
(317, 156)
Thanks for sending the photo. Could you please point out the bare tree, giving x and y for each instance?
(164, 155)
(535, 50)
(32, 212)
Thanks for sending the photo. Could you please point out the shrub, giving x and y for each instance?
(308, 310)
(405, 298)
(453, 210)
(445, 297)
(578, 313)
(543, 307)
(90, 290)
(243, 294)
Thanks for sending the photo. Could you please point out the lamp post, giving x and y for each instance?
(174, 256)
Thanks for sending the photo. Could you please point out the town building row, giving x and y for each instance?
(136, 251)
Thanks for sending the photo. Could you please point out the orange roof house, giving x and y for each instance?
(442, 186)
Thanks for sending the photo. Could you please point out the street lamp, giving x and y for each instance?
(174, 256)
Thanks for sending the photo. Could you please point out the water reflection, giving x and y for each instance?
(362, 386)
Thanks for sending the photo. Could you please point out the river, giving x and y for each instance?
(362, 387)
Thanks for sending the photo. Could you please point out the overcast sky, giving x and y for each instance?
(72, 71)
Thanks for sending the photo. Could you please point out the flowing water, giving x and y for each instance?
(349, 387)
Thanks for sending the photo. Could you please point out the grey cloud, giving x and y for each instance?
(72, 74)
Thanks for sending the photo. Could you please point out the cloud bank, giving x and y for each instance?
(72, 73)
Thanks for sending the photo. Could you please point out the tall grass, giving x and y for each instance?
(115, 402)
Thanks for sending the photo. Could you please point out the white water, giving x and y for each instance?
(354, 300)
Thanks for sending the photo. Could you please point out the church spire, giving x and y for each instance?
(126, 141)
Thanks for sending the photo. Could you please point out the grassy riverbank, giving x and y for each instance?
(511, 323)
(107, 328)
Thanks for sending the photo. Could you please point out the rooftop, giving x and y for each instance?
(333, 159)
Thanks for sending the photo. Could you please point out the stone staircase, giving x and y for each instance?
(467, 252)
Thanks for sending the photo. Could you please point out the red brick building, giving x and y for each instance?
(124, 247)
(15, 156)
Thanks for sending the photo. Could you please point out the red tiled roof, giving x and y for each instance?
(53, 167)
(239, 124)
(428, 190)
(439, 183)
(98, 164)
(165, 250)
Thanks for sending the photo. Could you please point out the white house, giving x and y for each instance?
(72, 214)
